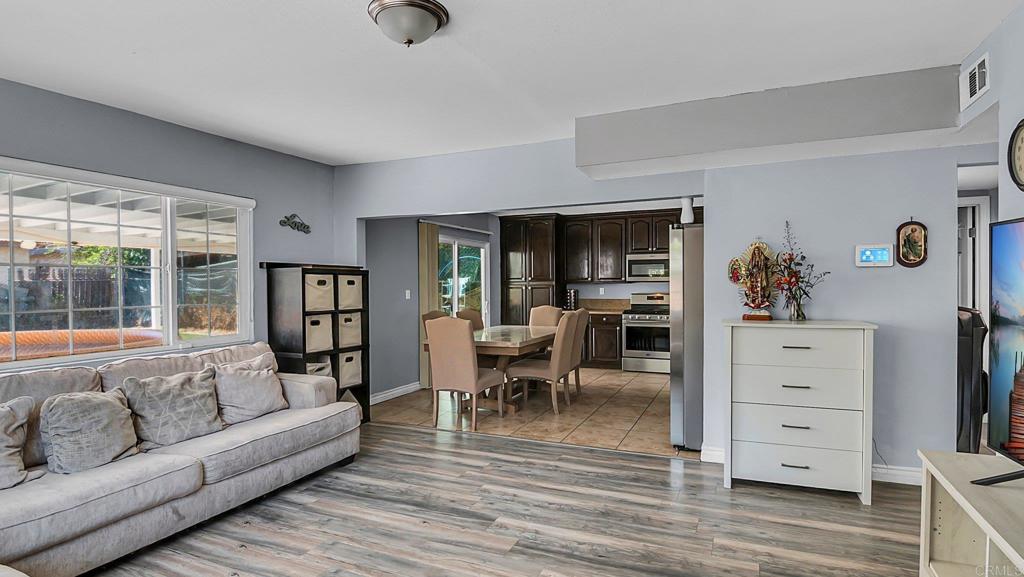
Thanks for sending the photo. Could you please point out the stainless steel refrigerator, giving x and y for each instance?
(686, 318)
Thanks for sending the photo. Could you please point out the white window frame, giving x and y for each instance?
(168, 264)
(485, 286)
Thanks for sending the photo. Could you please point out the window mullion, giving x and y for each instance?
(12, 300)
(171, 282)
(69, 269)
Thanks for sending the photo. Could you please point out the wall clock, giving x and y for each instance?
(1015, 155)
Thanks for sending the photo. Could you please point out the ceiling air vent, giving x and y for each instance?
(974, 82)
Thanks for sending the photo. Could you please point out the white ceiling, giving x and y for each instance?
(317, 79)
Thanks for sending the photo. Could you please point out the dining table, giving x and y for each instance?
(506, 343)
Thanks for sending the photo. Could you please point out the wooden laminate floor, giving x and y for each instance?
(616, 410)
(418, 502)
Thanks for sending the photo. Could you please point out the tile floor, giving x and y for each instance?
(617, 410)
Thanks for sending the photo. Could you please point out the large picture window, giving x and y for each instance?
(85, 269)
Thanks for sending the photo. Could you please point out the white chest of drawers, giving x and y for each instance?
(799, 403)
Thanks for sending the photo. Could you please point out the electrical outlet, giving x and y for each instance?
(408, 294)
(600, 291)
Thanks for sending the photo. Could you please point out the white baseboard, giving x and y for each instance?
(901, 475)
(395, 392)
(712, 454)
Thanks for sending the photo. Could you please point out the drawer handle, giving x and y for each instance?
(801, 427)
(314, 323)
(788, 466)
(348, 319)
(349, 359)
(796, 347)
(796, 386)
(350, 283)
(321, 282)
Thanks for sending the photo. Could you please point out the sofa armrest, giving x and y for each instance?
(6, 571)
(308, 391)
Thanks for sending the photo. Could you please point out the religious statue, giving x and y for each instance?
(754, 271)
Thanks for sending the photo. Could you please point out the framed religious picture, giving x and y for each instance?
(911, 244)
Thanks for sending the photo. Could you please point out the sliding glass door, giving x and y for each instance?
(462, 276)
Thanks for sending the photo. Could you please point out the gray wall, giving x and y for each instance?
(392, 257)
(834, 204)
(516, 177)
(1005, 47)
(47, 127)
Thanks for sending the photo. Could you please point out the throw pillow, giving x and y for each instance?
(262, 362)
(168, 410)
(244, 394)
(85, 430)
(13, 419)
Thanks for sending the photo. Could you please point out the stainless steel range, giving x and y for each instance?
(646, 342)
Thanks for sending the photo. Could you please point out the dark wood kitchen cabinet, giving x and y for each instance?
(577, 245)
(609, 250)
(661, 225)
(604, 341)
(649, 233)
(531, 265)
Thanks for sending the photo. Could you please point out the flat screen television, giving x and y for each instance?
(1006, 345)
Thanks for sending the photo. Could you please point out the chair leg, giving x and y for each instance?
(437, 401)
(566, 389)
(472, 419)
(501, 399)
(554, 396)
(526, 390)
(579, 390)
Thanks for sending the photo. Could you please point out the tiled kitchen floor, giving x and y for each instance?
(617, 410)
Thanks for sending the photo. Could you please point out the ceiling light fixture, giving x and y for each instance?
(408, 21)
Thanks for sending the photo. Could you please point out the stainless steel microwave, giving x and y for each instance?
(648, 267)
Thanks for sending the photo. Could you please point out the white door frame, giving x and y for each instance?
(982, 262)
(485, 287)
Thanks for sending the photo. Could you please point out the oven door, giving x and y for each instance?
(646, 267)
(645, 339)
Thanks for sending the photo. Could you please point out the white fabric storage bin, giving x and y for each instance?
(350, 330)
(351, 372)
(321, 367)
(318, 333)
(350, 292)
(319, 292)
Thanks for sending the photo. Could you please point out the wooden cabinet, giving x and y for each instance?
(513, 250)
(604, 341)
(661, 225)
(531, 264)
(578, 243)
(609, 250)
(540, 250)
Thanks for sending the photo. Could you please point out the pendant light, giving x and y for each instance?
(408, 21)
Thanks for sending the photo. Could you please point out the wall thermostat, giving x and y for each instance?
(873, 255)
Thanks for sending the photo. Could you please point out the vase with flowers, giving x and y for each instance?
(796, 277)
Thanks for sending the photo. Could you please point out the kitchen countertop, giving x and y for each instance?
(605, 306)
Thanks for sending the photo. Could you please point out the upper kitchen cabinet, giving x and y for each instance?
(609, 249)
(649, 232)
(540, 250)
(513, 250)
(577, 245)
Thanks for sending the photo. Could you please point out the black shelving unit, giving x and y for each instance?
(318, 317)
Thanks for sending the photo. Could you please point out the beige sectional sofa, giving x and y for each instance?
(64, 525)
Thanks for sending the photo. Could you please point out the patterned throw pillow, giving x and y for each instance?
(85, 430)
(248, 389)
(168, 410)
(13, 419)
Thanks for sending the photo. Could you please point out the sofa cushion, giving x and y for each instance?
(13, 418)
(248, 389)
(168, 410)
(245, 446)
(86, 430)
(55, 508)
(40, 385)
(114, 374)
(6, 571)
(234, 354)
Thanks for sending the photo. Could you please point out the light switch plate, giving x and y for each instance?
(600, 290)
(408, 294)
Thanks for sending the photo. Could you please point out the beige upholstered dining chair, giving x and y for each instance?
(556, 368)
(582, 320)
(453, 365)
(429, 316)
(473, 316)
(545, 316)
